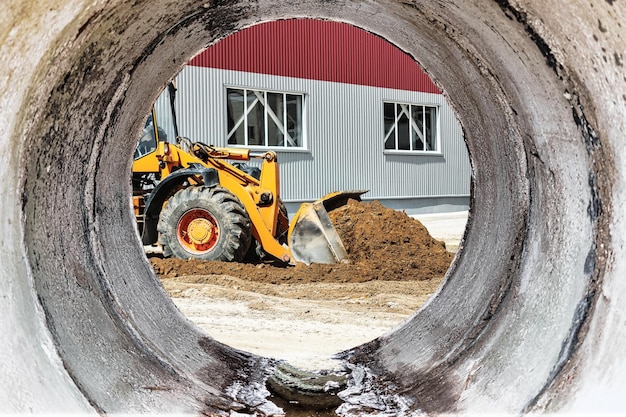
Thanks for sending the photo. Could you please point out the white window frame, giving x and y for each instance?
(268, 113)
(406, 110)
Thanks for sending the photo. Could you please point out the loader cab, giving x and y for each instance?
(149, 137)
(160, 125)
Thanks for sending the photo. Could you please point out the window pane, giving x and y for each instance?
(238, 137)
(417, 114)
(235, 114)
(404, 139)
(390, 142)
(256, 119)
(294, 120)
(410, 127)
(390, 119)
(275, 123)
(263, 118)
(147, 141)
(431, 128)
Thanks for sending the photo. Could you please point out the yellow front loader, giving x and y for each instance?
(195, 202)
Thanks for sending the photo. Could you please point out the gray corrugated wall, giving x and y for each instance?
(344, 137)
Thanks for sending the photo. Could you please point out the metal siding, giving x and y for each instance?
(344, 136)
(318, 50)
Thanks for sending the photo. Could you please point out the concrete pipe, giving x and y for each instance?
(530, 318)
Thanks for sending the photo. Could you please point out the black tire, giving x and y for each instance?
(206, 223)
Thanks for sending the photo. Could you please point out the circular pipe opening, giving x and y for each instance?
(510, 304)
(312, 312)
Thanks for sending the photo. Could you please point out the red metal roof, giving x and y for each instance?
(317, 50)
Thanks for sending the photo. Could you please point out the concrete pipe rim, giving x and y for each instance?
(128, 349)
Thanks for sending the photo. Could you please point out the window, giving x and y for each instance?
(264, 118)
(410, 127)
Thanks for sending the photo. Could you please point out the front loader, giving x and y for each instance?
(194, 202)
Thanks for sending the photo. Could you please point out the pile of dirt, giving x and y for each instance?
(382, 244)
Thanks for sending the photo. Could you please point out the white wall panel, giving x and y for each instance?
(344, 137)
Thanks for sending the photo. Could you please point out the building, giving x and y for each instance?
(344, 109)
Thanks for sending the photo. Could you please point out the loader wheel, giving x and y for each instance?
(207, 223)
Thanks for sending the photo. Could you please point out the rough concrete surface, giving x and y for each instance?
(530, 318)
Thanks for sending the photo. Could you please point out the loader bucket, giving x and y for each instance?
(312, 236)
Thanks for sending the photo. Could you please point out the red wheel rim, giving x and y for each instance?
(197, 231)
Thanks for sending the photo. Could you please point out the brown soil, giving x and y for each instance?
(382, 244)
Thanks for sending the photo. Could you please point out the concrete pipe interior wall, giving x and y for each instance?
(530, 317)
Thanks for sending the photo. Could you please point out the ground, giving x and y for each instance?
(305, 314)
